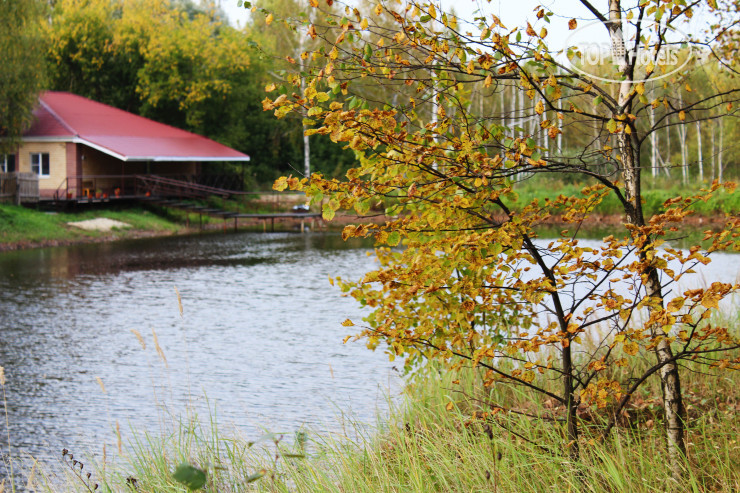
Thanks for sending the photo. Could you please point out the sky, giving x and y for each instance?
(512, 14)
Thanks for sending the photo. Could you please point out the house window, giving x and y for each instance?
(7, 163)
(40, 163)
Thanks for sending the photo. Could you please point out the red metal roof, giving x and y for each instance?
(129, 137)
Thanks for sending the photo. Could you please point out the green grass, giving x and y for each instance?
(431, 442)
(29, 226)
(722, 202)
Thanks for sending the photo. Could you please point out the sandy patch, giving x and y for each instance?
(99, 224)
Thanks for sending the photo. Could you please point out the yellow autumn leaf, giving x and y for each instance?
(348, 323)
(710, 299)
(682, 115)
(631, 348)
(539, 107)
(280, 184)
(572, 24)
(268, 19)
(675, 304)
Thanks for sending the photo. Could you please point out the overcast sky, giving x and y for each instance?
(512, 14)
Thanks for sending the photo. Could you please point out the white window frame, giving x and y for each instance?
(37, 164)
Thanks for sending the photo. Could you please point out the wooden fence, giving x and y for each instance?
(19, 187)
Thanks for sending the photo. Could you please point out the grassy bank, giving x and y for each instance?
(655, 194)
(22, 227)
(433, 442)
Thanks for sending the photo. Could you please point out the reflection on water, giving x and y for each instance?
(260, 336)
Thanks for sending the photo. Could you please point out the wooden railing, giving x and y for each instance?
(129, 186)
(19, 187)
(159, 186)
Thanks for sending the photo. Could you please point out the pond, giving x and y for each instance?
(259, 340)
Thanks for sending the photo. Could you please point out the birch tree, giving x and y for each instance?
(464, 281)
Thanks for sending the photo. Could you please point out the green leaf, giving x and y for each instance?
(362, 206)
(611, 125)
(190, 476)
(394, 238)
(327, 212)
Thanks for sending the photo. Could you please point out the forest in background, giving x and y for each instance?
(180, 62)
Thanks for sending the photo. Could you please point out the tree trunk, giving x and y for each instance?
(628, 146)
(713, 152)
(684, 152)
(557, 121)
(720, 164)
(653, 144)
(503, 105)
(667, 166)
(700, 156)
(306, 142)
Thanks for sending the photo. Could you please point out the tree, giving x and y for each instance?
(162, 60)
(23, 73)
(471, 284)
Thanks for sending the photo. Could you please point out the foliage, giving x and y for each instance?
(462, 278)
(726, 31)
(23, 74)
(181, 64)
(425, 447)
(147, 56)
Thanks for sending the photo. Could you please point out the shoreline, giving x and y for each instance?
(595, 221)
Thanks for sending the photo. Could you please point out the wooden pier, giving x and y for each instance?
(303, 216)
(236, 216)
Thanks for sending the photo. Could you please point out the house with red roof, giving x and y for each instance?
(81, 148)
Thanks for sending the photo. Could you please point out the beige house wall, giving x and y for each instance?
(57, 164)
(95, 171)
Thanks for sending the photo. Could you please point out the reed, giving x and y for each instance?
(444, 437)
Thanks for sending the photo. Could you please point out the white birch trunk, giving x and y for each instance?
(629, 152)
(653, 144)
(720, 164)
(700, 156)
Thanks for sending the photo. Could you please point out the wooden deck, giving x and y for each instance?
(170, 193)
(311, 217)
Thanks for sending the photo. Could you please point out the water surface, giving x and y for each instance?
(260, 338)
